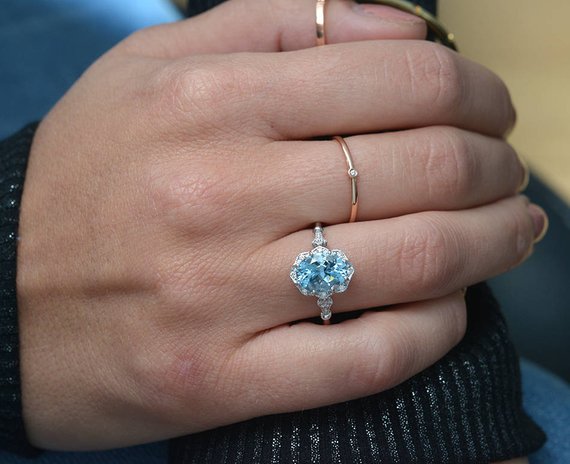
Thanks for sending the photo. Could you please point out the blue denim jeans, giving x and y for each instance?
(45, 45)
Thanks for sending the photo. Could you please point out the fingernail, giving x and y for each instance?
(540, 220)
(385, 12)
(526, 175)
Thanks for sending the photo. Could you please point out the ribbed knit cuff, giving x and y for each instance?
(14, 153)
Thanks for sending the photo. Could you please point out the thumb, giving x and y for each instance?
(277, 25)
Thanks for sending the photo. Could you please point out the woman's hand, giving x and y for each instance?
(170, 190)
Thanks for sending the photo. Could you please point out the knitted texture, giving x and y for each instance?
(13, 160)
(465, 409)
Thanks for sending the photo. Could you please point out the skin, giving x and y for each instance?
(171, 188)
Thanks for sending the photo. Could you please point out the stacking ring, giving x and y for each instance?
(320, 20)
(322, 272)
(352, 174)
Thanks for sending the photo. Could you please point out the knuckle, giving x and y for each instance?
(385, 360)
(196, 88)
(188, 203)
(202, 88)
(188, 89)
(427, 260)
(188, 194)
(451, 165)
(176, 375)
(449, 86)
(377, 366)
(398, 358)
(435, 77)
(210, 92)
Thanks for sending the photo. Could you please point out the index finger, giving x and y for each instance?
(359, 87)
(272, 26)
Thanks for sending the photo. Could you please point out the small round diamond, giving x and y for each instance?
(352, 172)
(325, 303)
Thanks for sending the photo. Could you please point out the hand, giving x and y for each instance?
(170, 190)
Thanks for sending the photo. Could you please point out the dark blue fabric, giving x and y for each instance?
(199, 6)
(534, 296)
(45, 45)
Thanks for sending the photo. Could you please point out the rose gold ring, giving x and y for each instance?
(352, 174)
(320, 10)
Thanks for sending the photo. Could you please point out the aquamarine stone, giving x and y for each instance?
(322, 272)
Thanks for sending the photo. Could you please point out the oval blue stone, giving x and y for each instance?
(322, 272)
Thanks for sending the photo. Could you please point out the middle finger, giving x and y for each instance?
(433, 168)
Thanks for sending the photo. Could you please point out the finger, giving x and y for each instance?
(353, 359)
(354, 88)
(270, 26)
(408, 258)
(433, 168)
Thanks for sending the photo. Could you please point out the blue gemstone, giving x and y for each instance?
(322, 272)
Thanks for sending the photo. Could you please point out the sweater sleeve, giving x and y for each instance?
(14, 153)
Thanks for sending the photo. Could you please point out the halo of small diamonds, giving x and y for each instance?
(322, 272)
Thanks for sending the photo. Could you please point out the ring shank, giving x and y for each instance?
(320, 19)
(353, 174)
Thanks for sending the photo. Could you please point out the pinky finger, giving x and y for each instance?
(308, 365)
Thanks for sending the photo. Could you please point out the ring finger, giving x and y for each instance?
(409, 258)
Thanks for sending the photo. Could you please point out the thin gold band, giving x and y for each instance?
(352, 174)
(438, 30)
(320, 16)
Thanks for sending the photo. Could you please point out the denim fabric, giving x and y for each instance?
(154, 453)
(547, 400)
(45, 45)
